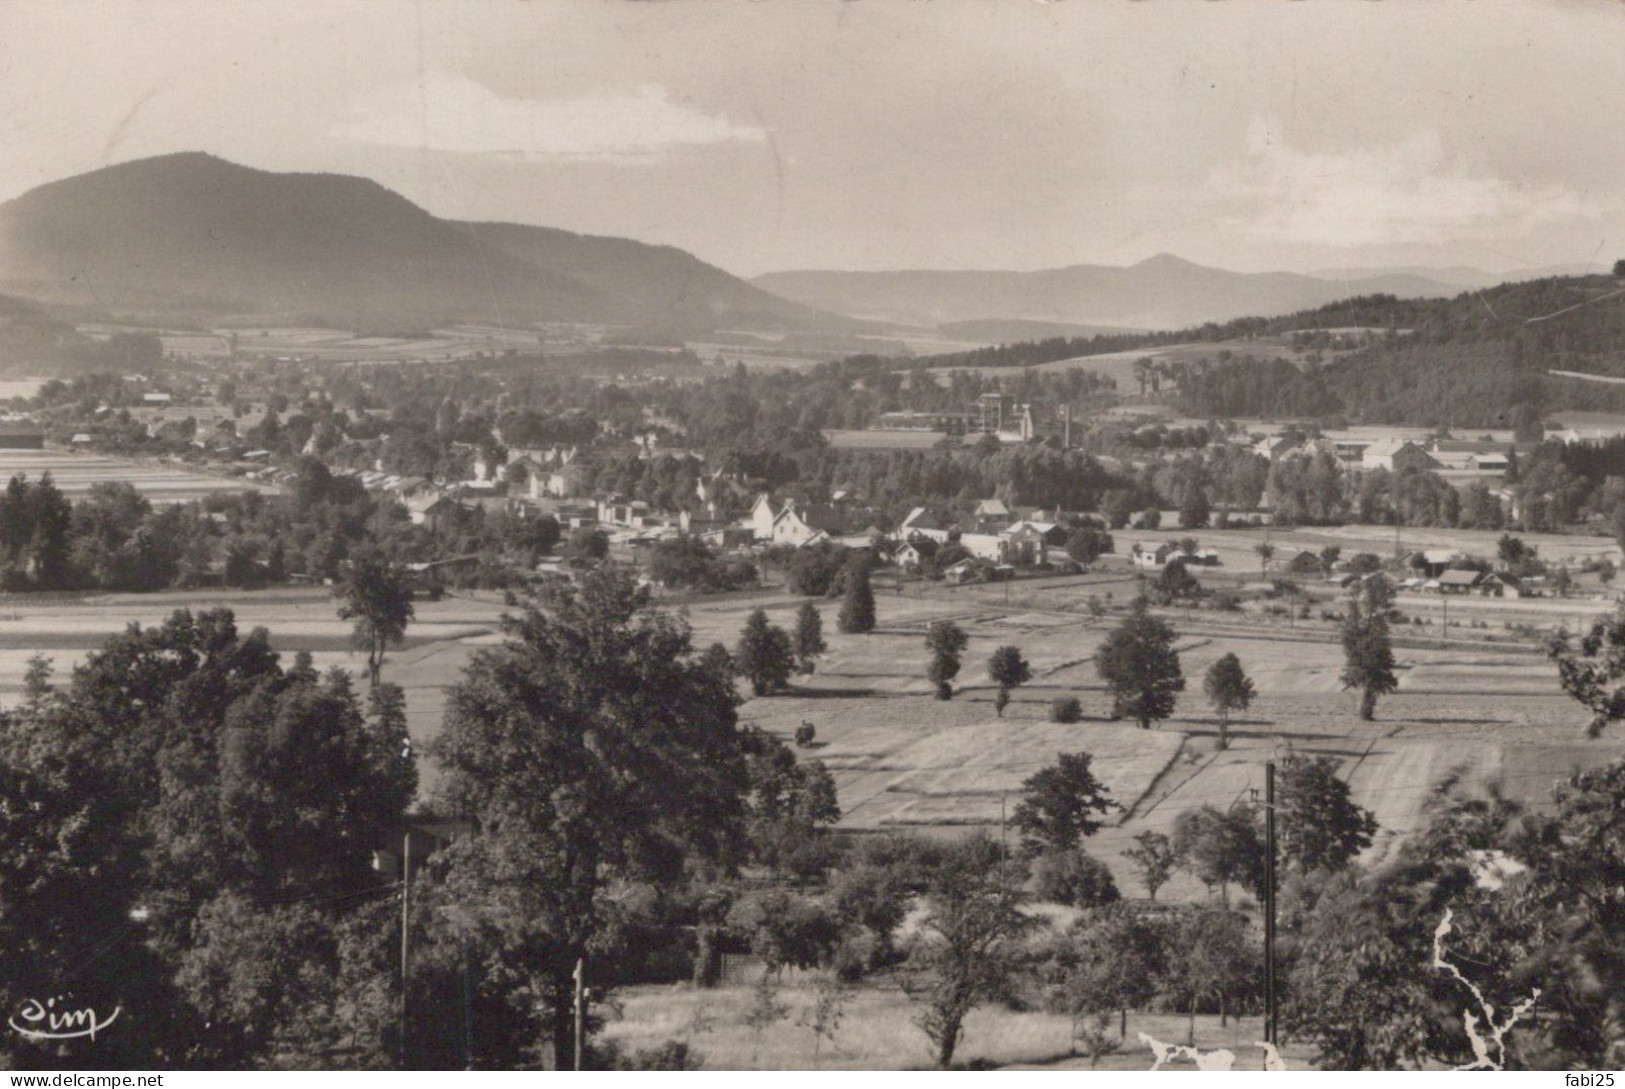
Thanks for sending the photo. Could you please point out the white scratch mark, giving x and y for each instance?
(1482, 1059)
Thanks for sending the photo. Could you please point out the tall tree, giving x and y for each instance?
(1228, 688)
(763, 656)
(809, 637)
(1368, 651)
(946, 641)
(967, 947)
(1141, 668)
(858, 606)
(376, 598)
(1061, 805)
(592, 749)
(1319, 825)
(1008, 669)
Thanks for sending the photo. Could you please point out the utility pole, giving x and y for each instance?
(579, 976)
(1271, 1012)
(406, 930)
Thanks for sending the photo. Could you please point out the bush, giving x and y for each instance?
(1075, 878)
(805, 734)
(1065, 709)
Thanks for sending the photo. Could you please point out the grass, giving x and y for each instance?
(878, 1031)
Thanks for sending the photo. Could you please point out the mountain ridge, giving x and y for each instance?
(1160, 292)
(193, 234)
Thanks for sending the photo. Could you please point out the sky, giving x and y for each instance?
(880, 134)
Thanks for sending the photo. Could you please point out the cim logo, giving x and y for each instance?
(44, 1021)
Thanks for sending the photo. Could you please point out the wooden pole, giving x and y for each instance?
(1271, 1012)
(580, 972)
(406, 930)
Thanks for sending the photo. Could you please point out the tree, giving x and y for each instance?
(1153, 856)
(1318, 826)
(1589, 675)
(1116, 959)
(967, 946)
(792, 805)
(1086, 544)
(1368, 652)
(1216, 963)
(1059, 804)
(1138, 663)
(808, 640)
(1266, 552)
(1228, 688)
(1175, 583)
(763, 656)
(1008, 669)
(946, 641)
(858, 606)
(375, 596)
(1220, 848)
(1194, 510)
(180, 770)
(591, 749)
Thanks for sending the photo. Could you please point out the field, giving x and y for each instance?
(161, 482)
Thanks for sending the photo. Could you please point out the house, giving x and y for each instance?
(1152, 556)
(1457, 581)
(430, 511)
(762, 516)
(962, 572)
(408, 488)
(1273, 446)
(1024, 543)
(796, 525)
(991, 510)
(1490, 463)
(916, 552)
(984, 546)
(155, 398)
(1502, 584)
(1397, 455)
(922, 523)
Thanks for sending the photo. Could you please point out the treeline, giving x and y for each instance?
(115, 539)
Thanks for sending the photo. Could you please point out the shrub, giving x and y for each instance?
(1065, 709)
(805, 734)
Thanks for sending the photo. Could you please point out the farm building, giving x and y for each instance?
(1397, 455)
(21, 436)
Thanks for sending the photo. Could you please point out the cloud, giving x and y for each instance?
(449, 112)
(1405, 192)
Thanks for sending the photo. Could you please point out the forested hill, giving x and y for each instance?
(1482, 359)
(1365, 311)
(1466, 361)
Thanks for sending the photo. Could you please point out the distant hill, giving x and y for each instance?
(190, 235)
(1161, 292)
